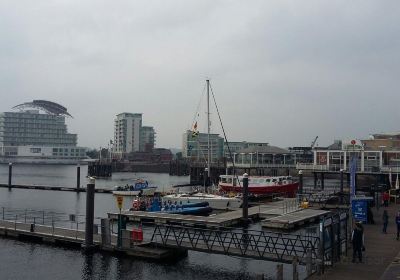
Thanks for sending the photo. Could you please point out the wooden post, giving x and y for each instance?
(9, 174)
(78, 177)
(279, 272)
(295, 272)
(341, 186)
(300, 182)
(245, 205)
(88, 244)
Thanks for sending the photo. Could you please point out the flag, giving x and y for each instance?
(397, 181)
(195, 133)
(353, 171)
(390, 178)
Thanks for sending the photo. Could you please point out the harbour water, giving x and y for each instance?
(23, 260)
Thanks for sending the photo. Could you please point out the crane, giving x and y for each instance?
(313, 142)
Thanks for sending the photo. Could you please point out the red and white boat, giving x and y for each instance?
(260, 185)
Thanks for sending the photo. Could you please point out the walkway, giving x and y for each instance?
(381, 250)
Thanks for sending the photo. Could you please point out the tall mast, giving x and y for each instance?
(208, 130)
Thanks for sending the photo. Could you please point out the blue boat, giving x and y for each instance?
(199, 208)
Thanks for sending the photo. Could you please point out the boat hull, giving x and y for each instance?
(145, 192)
(205, 210)
(288, 189)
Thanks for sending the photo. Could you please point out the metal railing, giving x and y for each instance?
(49, 222)
(261, 165)
(338, 167)
(240, 242)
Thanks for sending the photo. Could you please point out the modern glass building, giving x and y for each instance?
(195, 146)
(147, 139)
(32, 128)
(30, 135)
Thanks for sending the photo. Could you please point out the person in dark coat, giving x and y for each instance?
(385, 219)
(357, 238)
(398, 224)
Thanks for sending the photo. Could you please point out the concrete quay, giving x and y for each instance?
(381, 257)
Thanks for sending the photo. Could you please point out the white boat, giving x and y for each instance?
(139, 188)
(215, 201)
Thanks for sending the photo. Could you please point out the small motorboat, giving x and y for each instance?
(140, 187)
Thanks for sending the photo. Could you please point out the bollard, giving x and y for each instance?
(78, 177)
(300, 182)
(9, 174)
(88, 244)
(245, 205)
(295, 272)
(279, 272)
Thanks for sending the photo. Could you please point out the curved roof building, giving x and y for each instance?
(47, 106)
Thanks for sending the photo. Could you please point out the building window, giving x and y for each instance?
(35, 150)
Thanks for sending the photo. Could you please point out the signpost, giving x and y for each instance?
(120, 202)
(359, 210)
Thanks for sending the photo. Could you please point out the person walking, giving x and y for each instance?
(398, 224)
(357, 238)
(386, 198)
(385, 219)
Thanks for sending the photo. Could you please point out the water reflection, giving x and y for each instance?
(87, 268)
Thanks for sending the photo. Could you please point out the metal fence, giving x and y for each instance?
(232, 241)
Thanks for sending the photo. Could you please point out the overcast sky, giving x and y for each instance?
(282, 71)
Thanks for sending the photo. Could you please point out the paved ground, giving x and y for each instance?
(381, 251)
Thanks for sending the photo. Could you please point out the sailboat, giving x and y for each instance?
(215, 201)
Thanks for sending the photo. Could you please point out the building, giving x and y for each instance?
(147, 139)
(235, 147)
(262, 156)
(127, 133)
(371, 155)
(195, 146)
(302, 154)
(32, 136)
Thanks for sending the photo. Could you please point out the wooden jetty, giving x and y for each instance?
(273, 210)
(294, 219)
(76, 238)
(52, 188)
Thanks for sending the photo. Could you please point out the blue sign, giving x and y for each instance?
(359, 210)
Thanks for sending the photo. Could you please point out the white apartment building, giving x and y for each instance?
(127, 133)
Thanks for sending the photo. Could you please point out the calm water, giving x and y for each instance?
(22, 260)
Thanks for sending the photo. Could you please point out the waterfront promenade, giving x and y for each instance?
(381, 251)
